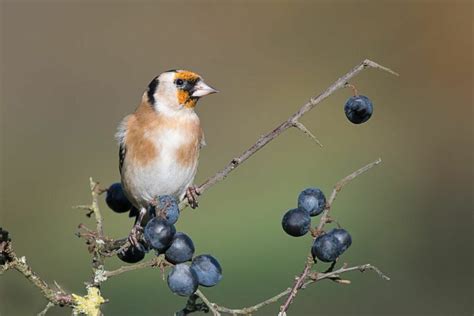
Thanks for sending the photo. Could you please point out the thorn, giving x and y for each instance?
(342, 281)
(303, 128)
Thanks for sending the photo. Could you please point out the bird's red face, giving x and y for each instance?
(176, 89)
(190, 87)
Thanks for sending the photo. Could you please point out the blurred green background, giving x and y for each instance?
(71, 71)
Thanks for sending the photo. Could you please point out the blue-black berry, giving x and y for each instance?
(358, 109)
(167, 209)
(159, 234)
(134, 212)
(131, 255)
(296, 222)
(116, 199)
(207, 269)
(3, 238)
(181, 249)
(326, 248)
(4, 235)
(312, 200)
(182, 280)
(3, 259)
(342, 236)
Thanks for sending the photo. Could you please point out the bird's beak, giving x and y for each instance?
(202, 89)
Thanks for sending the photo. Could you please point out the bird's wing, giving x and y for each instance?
(120, 136)
(122, 153)
(202, 142)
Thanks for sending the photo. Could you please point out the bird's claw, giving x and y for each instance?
(134, 236)
(192, 194)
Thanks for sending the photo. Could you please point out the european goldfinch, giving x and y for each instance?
(160, 142)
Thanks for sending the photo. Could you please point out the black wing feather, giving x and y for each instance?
(122, 152)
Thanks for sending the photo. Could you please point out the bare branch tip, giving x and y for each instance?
(46, 309)
(372, 64)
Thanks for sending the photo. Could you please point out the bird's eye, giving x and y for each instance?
(179, 82)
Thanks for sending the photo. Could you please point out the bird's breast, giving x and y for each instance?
(163, 161)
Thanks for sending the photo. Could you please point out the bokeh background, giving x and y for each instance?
(72, 70)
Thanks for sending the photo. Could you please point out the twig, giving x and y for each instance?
(102, 246)
(212, 307)
(19, 264)
(46, 309)
(254, 308)
(313, 277)
(307, 132)
(354, 89)
(193, 306)
(338, 187)
(157, 261)
(290, 122)
(301, 280)
(96, 191)
(95, 240)
(324, 219)
(298, 284)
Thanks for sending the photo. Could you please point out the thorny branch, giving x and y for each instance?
(311, 278)
(56, 297)
(306, 277)
(46, 309)
(102, 247)
(292, 121)
(155, 262)
(323, 221)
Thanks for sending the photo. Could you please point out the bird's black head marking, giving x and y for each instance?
(152, 86)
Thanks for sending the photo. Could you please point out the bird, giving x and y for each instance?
(159, 143)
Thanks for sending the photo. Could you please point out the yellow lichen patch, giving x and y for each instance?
(89, 304)
(187, 75)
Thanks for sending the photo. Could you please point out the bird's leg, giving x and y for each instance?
(192, 194)
(134, 235)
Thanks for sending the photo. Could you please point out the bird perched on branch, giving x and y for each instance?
(160, 142)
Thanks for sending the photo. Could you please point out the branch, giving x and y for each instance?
(323, 221)
(212, 307)
(155, 262)
(46, 309)
(193, 306)
(101, 247)
(301, 281)
(56, 297)
(290, 122)
(293, 121)
(96, 191)
(93, 208)
(314, 277)
(338, 187)
(298, 284)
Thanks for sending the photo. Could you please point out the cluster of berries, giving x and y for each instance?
(297, 222)
(178, 248)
